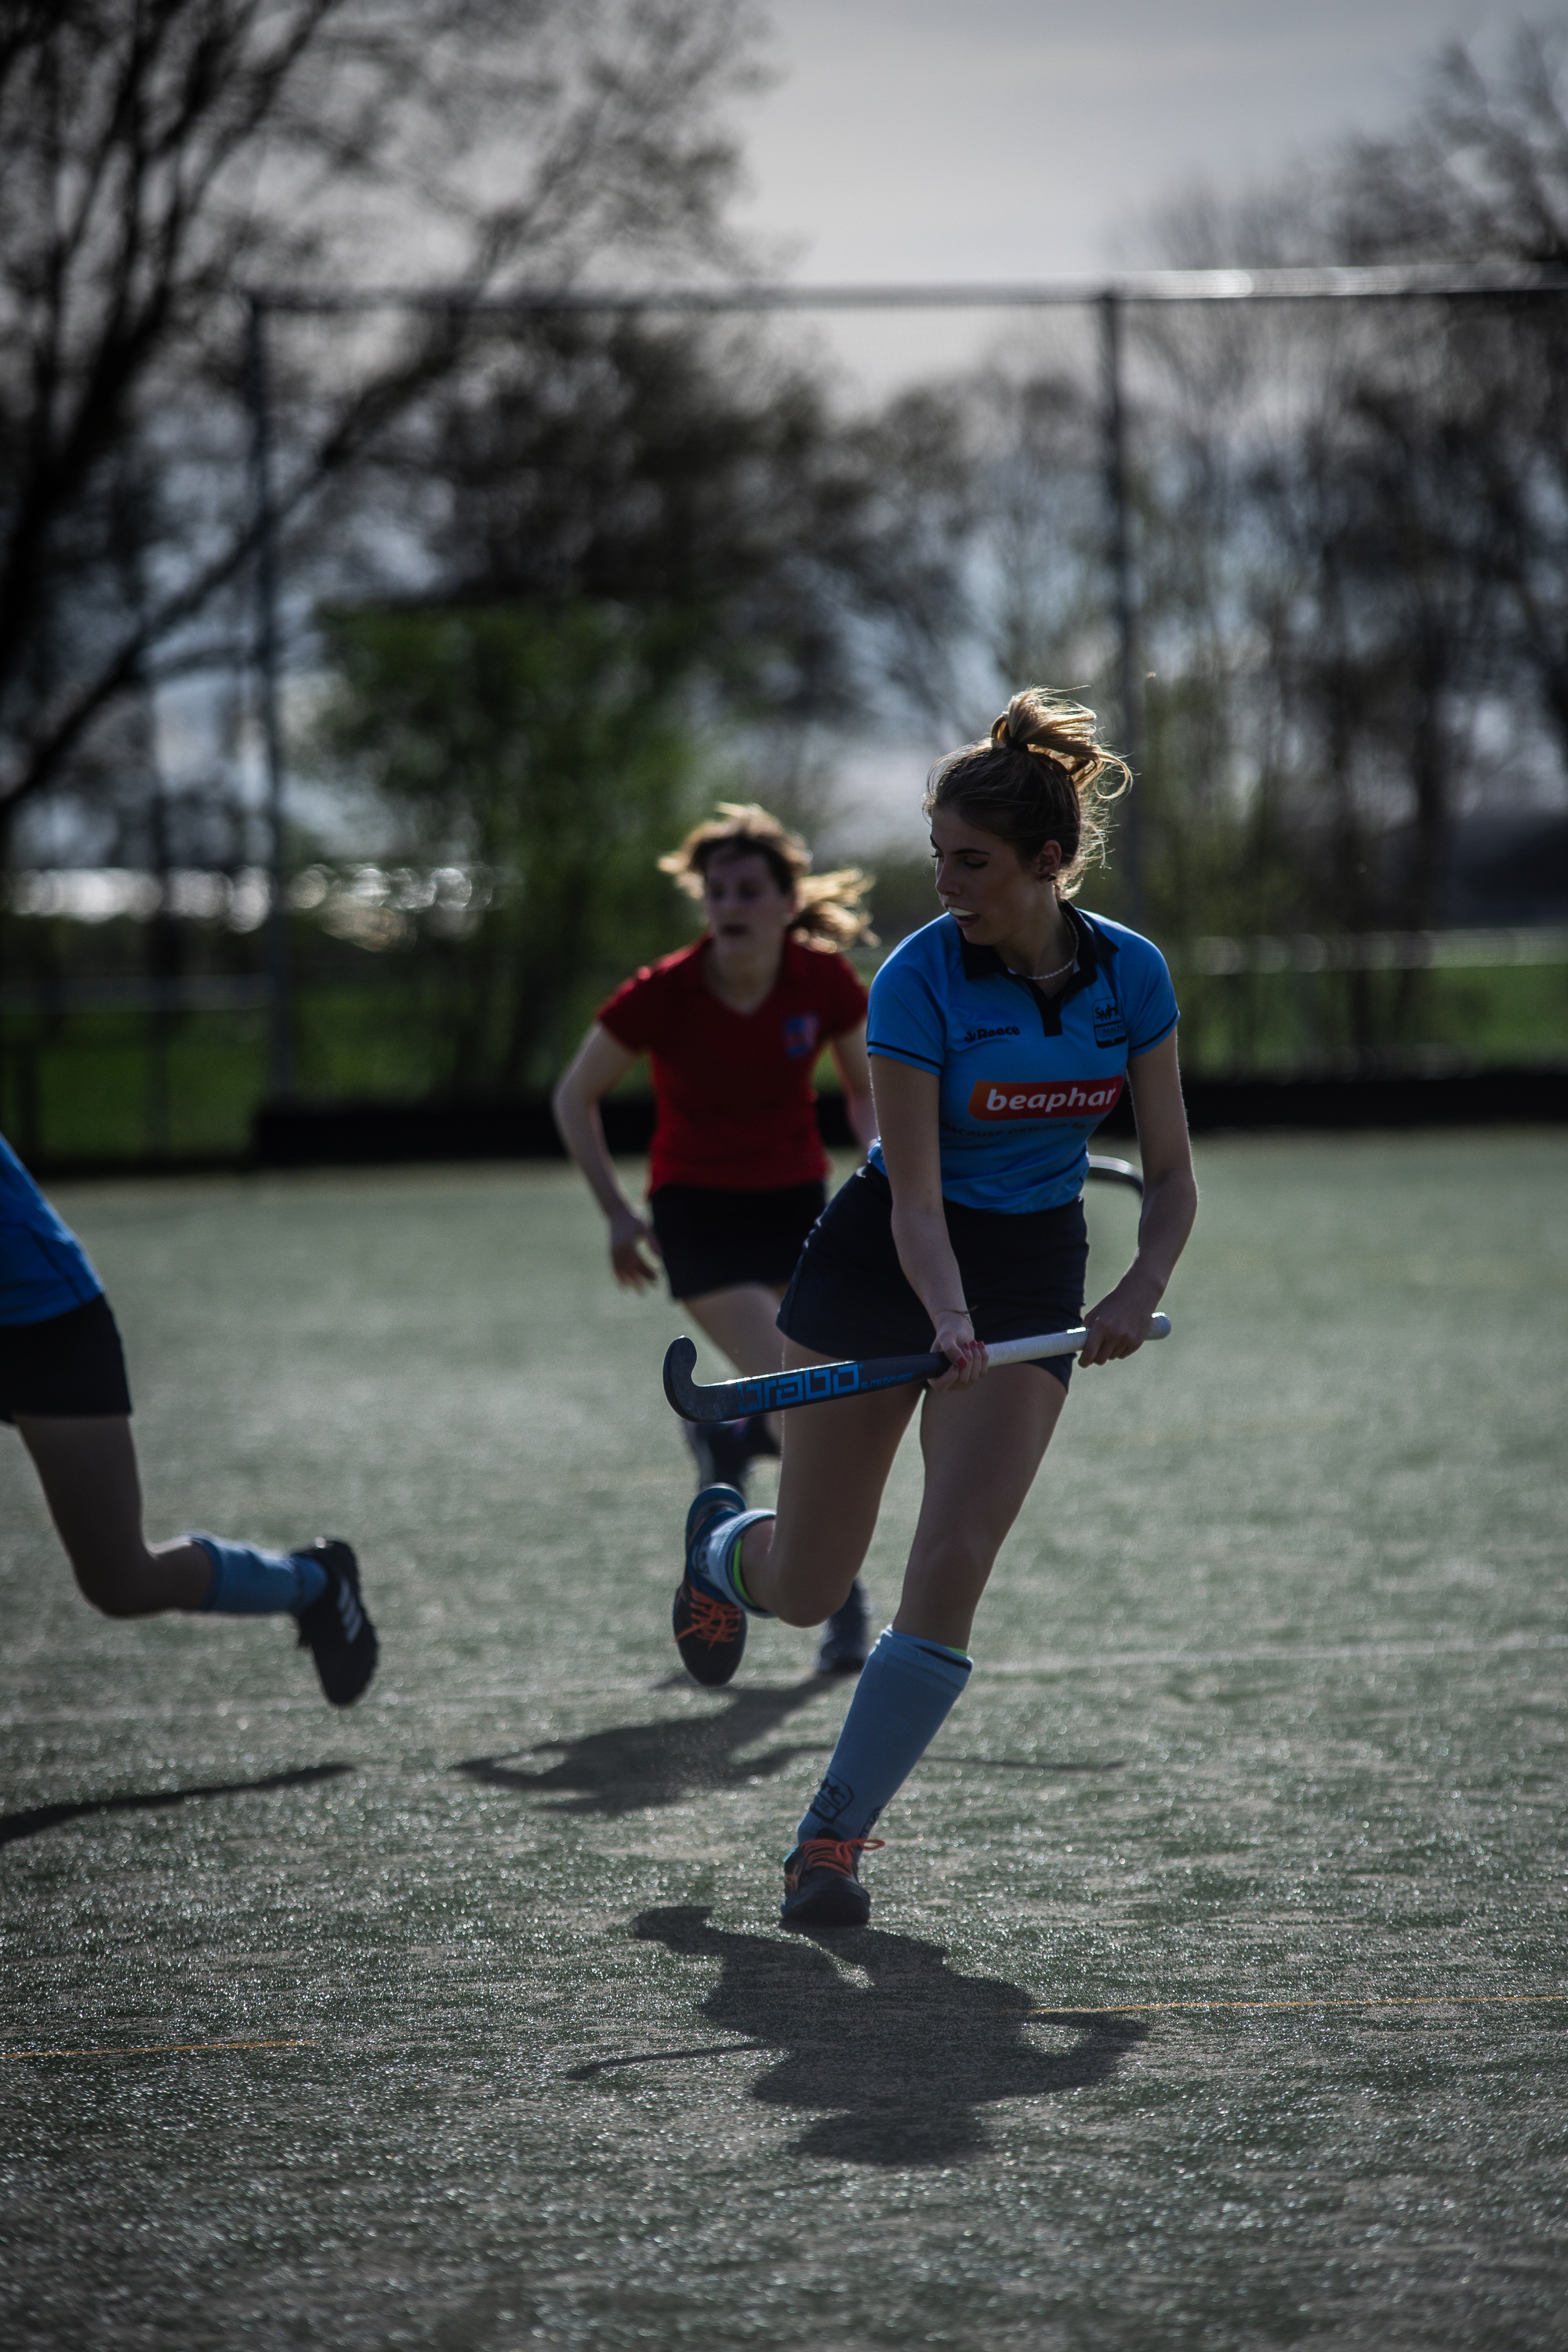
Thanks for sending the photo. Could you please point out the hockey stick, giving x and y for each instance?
(815, 1383)
(1115, 1172)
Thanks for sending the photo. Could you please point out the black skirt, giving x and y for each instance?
(69, 1366)
(711, 1240)
(850, 1297)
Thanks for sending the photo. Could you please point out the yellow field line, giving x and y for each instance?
(157, 2049)
(1359, 2001)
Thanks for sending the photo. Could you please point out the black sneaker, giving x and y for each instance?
(822, 1883)
(721, 1452)
(760, 1439)
(709, 1631)
(846, 1637)
(335, 1628)
(724, 1451)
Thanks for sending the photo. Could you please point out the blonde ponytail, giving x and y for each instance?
(1040, 776)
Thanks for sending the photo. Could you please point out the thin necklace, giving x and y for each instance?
(1052, 975)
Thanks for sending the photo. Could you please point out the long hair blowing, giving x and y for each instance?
(829, 912)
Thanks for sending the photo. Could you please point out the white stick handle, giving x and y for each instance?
(1060, 1343)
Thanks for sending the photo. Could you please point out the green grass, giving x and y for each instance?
(1286, 1021)
(100, 1086)
(1268, 1708)
(88, 1086)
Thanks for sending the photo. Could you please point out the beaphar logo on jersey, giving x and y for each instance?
(1045, 1098)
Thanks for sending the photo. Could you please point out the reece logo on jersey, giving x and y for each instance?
(996, 1098)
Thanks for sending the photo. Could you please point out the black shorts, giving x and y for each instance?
(69, 1365)
(851, 1297)
(710, 1240)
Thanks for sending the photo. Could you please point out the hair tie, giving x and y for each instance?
(1003, 737)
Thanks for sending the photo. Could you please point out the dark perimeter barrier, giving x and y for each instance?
(1448, 1097)
(386, 1134)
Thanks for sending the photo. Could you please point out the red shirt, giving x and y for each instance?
(736, 1105)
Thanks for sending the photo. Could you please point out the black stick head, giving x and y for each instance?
(680, 1389)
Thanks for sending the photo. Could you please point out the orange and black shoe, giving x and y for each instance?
(710, 1630)
(822, 1883)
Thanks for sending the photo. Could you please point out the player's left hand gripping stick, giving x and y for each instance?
(820, 1384)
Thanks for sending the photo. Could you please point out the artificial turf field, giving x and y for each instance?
(1216, 1993)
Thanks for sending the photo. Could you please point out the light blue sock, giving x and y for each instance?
(719, 1558)
(905, 1690)
(247, 1582)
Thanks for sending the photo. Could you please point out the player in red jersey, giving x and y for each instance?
(732, 1026)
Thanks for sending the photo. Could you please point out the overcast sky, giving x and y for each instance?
(993, 137)
(1006, 139)
(977, 139)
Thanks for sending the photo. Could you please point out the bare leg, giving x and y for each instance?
(983, 1448)
(743, 1321)
(836, 1458)
(86, 1468)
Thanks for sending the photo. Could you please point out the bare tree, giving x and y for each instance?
(159, 156)
(1378, 497)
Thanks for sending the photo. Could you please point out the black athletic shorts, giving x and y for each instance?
(850, 1296)
(70, 1364)
(711, 1240)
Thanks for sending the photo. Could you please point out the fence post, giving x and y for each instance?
(1124, 601)
(280, 1055)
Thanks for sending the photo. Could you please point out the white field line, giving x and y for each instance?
(1059, 1662)
(1328, 2000)
(157, 2049)
(179, 1710)
(1068, 1662)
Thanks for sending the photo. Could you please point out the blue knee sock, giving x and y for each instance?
(247, 1582)
(906, 1689)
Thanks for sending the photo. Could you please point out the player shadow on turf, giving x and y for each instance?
(899, 2072)
(48, 1817)
(636, 1765)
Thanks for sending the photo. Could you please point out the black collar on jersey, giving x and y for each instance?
(1094, 950)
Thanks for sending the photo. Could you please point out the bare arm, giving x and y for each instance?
(854, 1076)
(1170, 1206)
(906, 1101)
(601, 1061)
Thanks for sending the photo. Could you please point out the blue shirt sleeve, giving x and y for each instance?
(907, 1022)
(1151, 1001)
(44, 1270)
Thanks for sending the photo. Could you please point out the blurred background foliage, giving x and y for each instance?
(543, 753)
(554, 583)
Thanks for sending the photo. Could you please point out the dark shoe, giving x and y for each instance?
(724, 1451)
(335, 1628)
(720, 1450)
(846, 1637)
(822, 1883)
(760, 1440)
(710, 1631)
